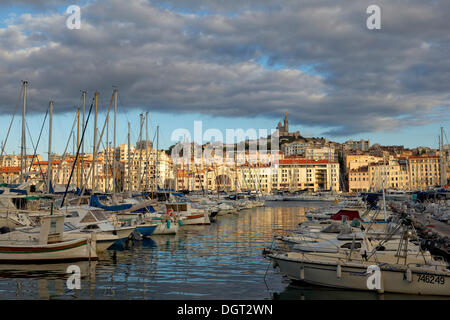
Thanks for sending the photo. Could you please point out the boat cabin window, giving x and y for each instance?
(69, 227)
(91, 227)
(99, 215)
(52, 227)
(73, 214)
(88, 218)
(177, 207)
(348, 245)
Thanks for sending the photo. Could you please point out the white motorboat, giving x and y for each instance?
(103, 239)
(367, 268)
(94, 219)
(46, 246)
(187, 214)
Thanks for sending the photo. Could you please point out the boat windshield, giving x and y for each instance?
(348, 245)
(99, 215)
(88, 218)
(69, 227)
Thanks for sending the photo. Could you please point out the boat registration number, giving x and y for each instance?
(431, 279)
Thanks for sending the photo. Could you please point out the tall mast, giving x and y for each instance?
(407, 173)
(235, 171)
(23, 144)
(443, 155)
(78, 144)
(188, 170)
(129, 158)
(330, 174)
(384, 192)
(157, 157)
(146, 151)
(94, 156)
(114, 141)
(49, 166)
(107, 154)
(206, 176)
(82, 143)
(141, 123)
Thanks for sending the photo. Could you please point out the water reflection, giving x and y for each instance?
(43, 281)
(303, 291)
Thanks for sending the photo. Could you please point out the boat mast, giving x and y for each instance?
(235, 172)
(146, 152)
(384, 193)
(49, 165)
(82, 143)
(330, 174)
(114, 141)
(206, 175)
(107, 154)
(23, 144)
(129, 158)
(157, 157)
(78, 144)
(443, 159)
(94, 157)
(141, 123)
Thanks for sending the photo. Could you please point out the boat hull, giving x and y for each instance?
(163, 228)
(196, 219)
(71, 250)
(355, 277)
(124, 232)
(103, 240)
(146, 230)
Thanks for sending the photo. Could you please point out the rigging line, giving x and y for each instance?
(110, 166)
(96, 148)
(65, 151)
(35, 149)
(12, 120)
(76, 157)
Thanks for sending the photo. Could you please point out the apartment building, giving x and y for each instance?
(355, 161)
(424, 171)
(412, 173)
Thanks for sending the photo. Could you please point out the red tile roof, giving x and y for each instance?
(9, 169)
(303, 161)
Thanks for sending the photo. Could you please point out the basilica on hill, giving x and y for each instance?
(283, 130)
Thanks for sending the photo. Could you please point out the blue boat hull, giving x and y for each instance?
(146, 231)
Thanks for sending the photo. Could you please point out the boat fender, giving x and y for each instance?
(168, 224)
(339, 271)
(408, 275)
(302, 272)
(180, 223)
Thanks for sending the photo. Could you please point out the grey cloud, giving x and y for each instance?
(179, 61)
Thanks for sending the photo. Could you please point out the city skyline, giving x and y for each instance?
(62, 124)
(184, 61)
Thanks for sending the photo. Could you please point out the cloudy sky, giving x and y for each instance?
(233, 64)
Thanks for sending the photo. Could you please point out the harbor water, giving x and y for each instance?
(219, 261)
